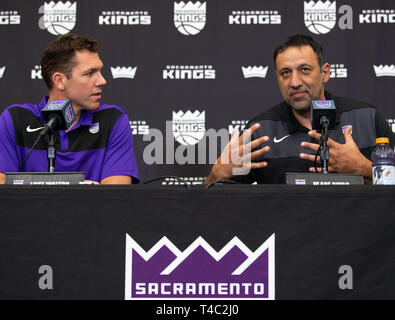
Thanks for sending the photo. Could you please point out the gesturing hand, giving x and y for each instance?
(343, 158)
(238, 154)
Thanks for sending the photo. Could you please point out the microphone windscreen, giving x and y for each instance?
(321, 108)
(62, 110)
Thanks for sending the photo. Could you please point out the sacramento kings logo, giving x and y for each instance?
(189, 18)
(199, 271)
(188, 128)
(69, 113)
(94, 128)
(59, 18)
(320, 17)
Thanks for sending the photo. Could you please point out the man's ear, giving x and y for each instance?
(326, 72)
(59, 80)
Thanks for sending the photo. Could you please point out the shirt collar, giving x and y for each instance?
(43, 103)
(292, 123)
(86, 118)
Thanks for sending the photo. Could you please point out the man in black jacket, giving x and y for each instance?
(281, 139)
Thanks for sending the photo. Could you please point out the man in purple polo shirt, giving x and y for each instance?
(98, 143)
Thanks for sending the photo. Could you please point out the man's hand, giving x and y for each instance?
(91, 182)
(118, 179)
(238, 154)
(343, 158)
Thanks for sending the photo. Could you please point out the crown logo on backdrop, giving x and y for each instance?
(58, 18)
(189, 18)
(254, 72)
(321, 5)
(61, 6)
(320, 17)
(189, 5)
(384, 71)
(197, 115)
(189, 128)
(123, 72)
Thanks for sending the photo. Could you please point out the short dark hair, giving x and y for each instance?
(60, 53)
(300, 40)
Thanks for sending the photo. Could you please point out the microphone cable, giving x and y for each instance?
(318, 151)
(221, 181)
(42, 133)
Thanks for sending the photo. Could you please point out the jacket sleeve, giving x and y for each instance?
(119, 158)
(9, 155)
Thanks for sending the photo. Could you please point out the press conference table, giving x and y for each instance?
(80, 232)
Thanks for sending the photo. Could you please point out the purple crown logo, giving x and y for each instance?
(199, 272)
(69, 113)
(323, 104)
(55, 104)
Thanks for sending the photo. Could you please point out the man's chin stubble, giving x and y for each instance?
(301, 109)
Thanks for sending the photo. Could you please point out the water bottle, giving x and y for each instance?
(383, 162)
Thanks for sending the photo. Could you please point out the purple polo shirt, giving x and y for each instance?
(100, 144)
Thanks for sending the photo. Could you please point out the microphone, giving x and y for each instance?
(58, 114)
(323, 114)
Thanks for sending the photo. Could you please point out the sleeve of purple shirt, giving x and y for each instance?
(9, 156)
(119, 158)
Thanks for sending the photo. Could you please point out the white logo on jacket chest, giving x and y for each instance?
(94, 128)
(275, 140)
(28, 129)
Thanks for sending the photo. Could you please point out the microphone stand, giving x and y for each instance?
(51, 151)
(324, 153)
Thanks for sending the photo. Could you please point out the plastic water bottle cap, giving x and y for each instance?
(382, 140)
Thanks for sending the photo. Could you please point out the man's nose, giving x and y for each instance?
(101, 81)
(296, 81)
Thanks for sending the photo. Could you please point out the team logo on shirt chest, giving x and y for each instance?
(345, 127)
(94, 128)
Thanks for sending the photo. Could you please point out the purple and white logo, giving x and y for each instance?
(94, 128)
(199, 272)
(69, 113)
(55, 104)
(345, 127)
(323, 104)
